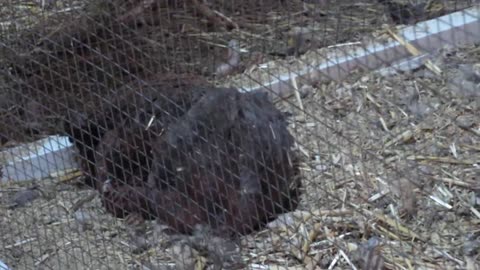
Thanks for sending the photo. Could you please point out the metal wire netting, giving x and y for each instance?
(208, 134)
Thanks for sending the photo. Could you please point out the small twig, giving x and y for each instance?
(475, 212)
(302, 149)
(344, 44)
(150, 122)
(403, 137)
(384, 231)
(455, 182)
(298, 97)
(395, 224)
(443, 160)
(334, 261)
(227, 19)
(372, 99)
(78, 204)
(440, 202)
(62, 205)
(384, 125)
(378, 195)
(448, 256)
(69, 176)
(43, 258)
(312, 235)
(347, 260)
(305, 216)
(23, 242)
(415, 52)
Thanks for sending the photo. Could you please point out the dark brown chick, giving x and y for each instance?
(230, 154)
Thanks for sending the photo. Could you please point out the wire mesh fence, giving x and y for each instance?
(208, 134)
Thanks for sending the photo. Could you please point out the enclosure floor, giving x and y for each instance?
(349, 138)
(195, 49)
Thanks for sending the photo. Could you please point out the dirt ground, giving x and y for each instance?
(390, 170)
(379, 164)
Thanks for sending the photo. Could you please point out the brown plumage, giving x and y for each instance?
(230, 154)
(128, 109)
(123, 155)
(221, 158)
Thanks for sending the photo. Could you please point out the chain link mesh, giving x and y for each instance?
(208, 134)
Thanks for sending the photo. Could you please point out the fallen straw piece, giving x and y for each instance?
(415, 52)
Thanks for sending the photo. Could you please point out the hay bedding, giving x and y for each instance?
(351, 196)
(400, 150)
(81, 51)
(360, 181)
